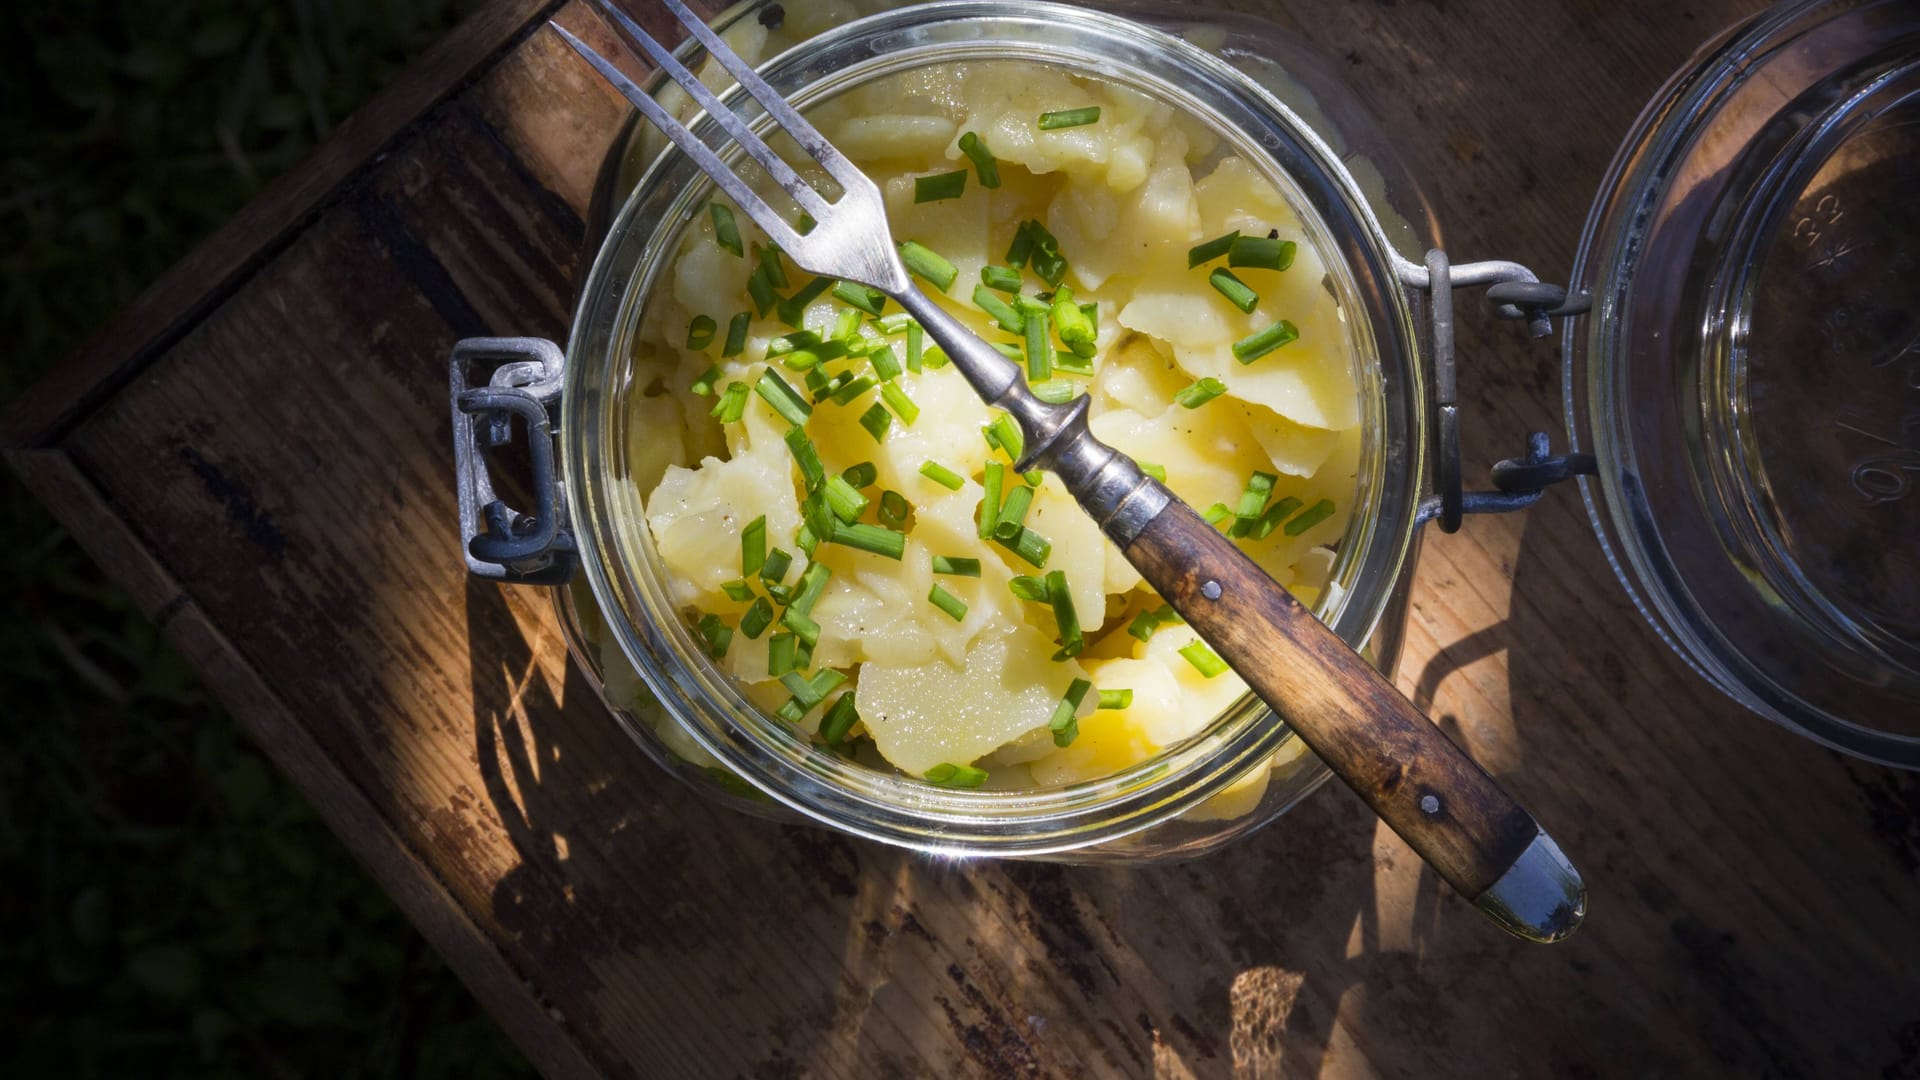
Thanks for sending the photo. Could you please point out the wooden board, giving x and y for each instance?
(259, 452)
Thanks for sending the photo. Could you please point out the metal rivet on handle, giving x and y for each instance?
(1429, 804)
(1211, 590)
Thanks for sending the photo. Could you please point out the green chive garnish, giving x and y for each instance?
(847, 326)
(798, 341)
(934, 358)
(983, 160)
(1311, 516)
(1021, 249)
(1271, 520)
(805, 540)
(844, 393)
(781, 656)
(955, 776)
(1064, 726)
(768, 264)
(1075, 328)
(737, 590)
(1254, 346)
(1004, 434)
(1204, 660)
(1056, 391)
(939, 186)
(1014, 513)
(736, 334)
(894, 509)
(1030, 546)
(717, 634)
(990, 503)
(700, 331)
(812, 584)
(805, 456)
(704, 384)
(942, 475)
(1145, 623)
(1071, 639)
(885, 364)
(1039, 345)
(1000, 278)
(1261, 252)
(900, 403)
(802, 625)
(778, 563)
(1158, 472)
(840, 718)
(761, 290)
(1233, 289)
(1218, 513)
(732, 404)
(785, 400)
(867, 300)
(955, 607)
(861, 475)
(923, 262)
(847, 502)
(1115, 699)
(1211, 250)
(954, 567)
(1254, 499)
(753, 546)
(877, 420)
(1069, 118)
(1201, 392)
(871, 538)
(1003, 314)
(916, 342)
(794, 308)
(725, 232)
(757, 619)
(1025, 587)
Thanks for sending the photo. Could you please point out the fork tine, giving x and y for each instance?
(783, 114)
(782, 173)
(743, 196)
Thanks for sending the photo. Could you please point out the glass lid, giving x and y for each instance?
(1749, 378)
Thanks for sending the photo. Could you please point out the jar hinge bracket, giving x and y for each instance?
(1514, 292)
(501, 543)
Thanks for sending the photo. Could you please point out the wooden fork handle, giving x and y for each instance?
(1436, 797)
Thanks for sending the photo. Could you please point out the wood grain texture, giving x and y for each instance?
(276, 472)
(1372, 737)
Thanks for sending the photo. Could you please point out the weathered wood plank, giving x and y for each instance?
(276, 484)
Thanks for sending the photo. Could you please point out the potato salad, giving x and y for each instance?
(839, 515)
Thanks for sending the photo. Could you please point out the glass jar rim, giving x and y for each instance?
(899, 809)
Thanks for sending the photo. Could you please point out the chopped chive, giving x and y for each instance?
(700, 331)
(1254, 346)
(1064, 726)
(1211, 250)
(896, 323)
(1034, 477)
(956, 567)
(955, 776)
(1021, 249)
(798, 341)
(785, 400)
(704, 384)
(1075, 328)
(1158, 472)
(839, 720)
(1024, 587)
(810, 692)
(781, 594)
(1146, 623)
(1003, 314)
(802, 625)
(1032, 548)
(1271, 520)
(990, 503)
(846, 327)
(1233, 289)
(867, 300)
(806, 540)
(939, 186)
(1039, 345)
(1204, 660)
(818, 514)
(1071, 639)
(852, 388)
(934, 358)
(955, 607)
(902, 405)
(1004, 434)
(1069, 118)
(1029, 305)
(718, 636)
(1200, 392)
(1056, 391)
(871, 538)
(812, 584)
(1000, 278)
(794, 308)
(757, 619)
(847, 502)
(1115, 699)
(725, 232)
(894, 509)
(732, 405)
(805, 456)
(1262, 252)
(916, 342)
(1311, 516)
(805, 223)
(1014, 511)
(885, 364)
(761, 290)
(1254, 499)
(1045, 259)
(777, 565)
(861, 344)
(780, 654)
(861, 475)
(877, 420)
(1069, 363)
(942, 475)
(1218, 513)
(1011, 352)
(924, 262)
(767, 262)
(737, 590)
(983, 160)
(753, 546)
(736, 334)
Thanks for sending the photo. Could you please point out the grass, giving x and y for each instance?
(172, 906)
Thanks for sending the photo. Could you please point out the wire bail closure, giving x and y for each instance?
(1514, 292)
